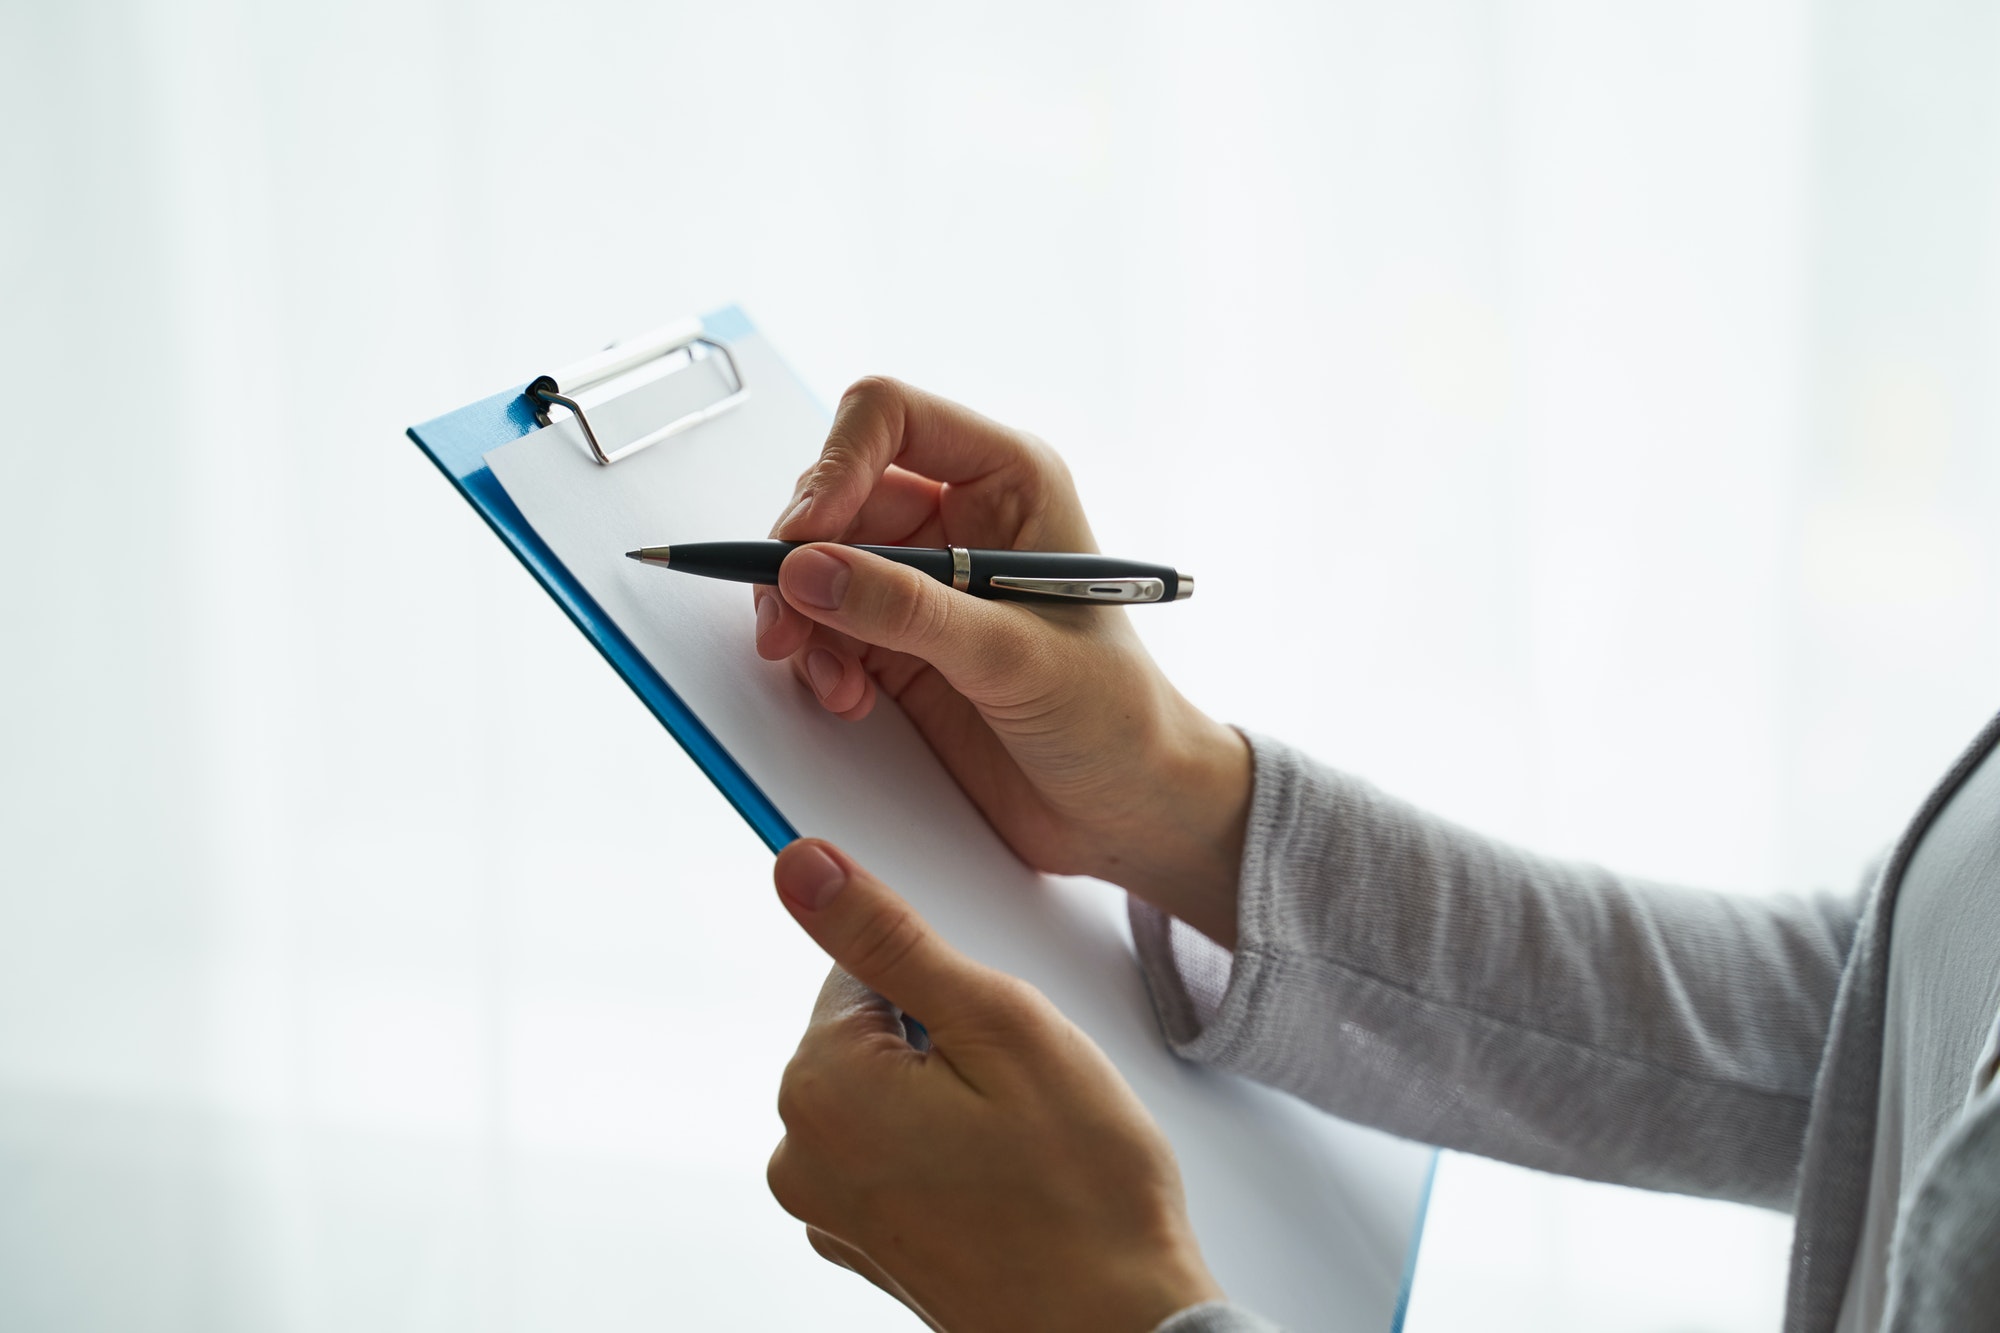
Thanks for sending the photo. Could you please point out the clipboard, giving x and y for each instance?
(458, 443)
(1305, 1218)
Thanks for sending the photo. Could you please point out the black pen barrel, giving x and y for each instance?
(932, 560)
(974, 571)
(757, 562)
(737, 562)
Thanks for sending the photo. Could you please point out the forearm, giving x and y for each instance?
(1407, 973)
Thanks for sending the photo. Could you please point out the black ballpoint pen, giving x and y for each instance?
(1011, 576)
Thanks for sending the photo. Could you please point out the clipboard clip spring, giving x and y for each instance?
(629, 365)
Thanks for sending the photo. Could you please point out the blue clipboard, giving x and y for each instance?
(458, 443)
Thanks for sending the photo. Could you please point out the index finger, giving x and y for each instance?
(883, 421)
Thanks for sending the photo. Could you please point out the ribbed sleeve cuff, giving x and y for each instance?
(1216, 1317)
(1207, 998)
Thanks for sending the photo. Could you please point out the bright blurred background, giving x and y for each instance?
(369, 959)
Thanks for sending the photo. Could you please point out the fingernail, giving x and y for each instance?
(817, 578)
(824, 669)
(805, 503)
(767, 613)
(810, 878)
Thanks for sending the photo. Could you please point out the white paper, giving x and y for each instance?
(1301, 1217)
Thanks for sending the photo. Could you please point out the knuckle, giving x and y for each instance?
(1018, 1005)
(792, 1100)
(782, 1178)
(871, 389)
(802, 1095)
(1045, 459)
(817, 1101)
(1014, 995)
(885, 943)
(841, 457)
(872, 406)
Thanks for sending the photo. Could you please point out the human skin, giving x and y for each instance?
(1054, 720)
(1006, 1177)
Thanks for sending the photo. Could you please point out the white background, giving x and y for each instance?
(1631, 369)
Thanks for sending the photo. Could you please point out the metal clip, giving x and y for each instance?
(629, 360)
(1085, 590)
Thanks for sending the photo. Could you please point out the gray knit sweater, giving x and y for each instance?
(1406, 973)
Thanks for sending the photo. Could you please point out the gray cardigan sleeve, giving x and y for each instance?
(1406, 973)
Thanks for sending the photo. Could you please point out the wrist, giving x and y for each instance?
(1136, 1292)
(1184, 857)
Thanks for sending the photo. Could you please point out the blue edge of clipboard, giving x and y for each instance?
(458, 443)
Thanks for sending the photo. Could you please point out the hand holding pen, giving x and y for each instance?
(1060, 727)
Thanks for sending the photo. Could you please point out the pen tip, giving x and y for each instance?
(635, 555)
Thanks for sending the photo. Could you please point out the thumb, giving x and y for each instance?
(876, 937)
(974, 642)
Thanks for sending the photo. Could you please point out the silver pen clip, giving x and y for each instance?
(1086, 590)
